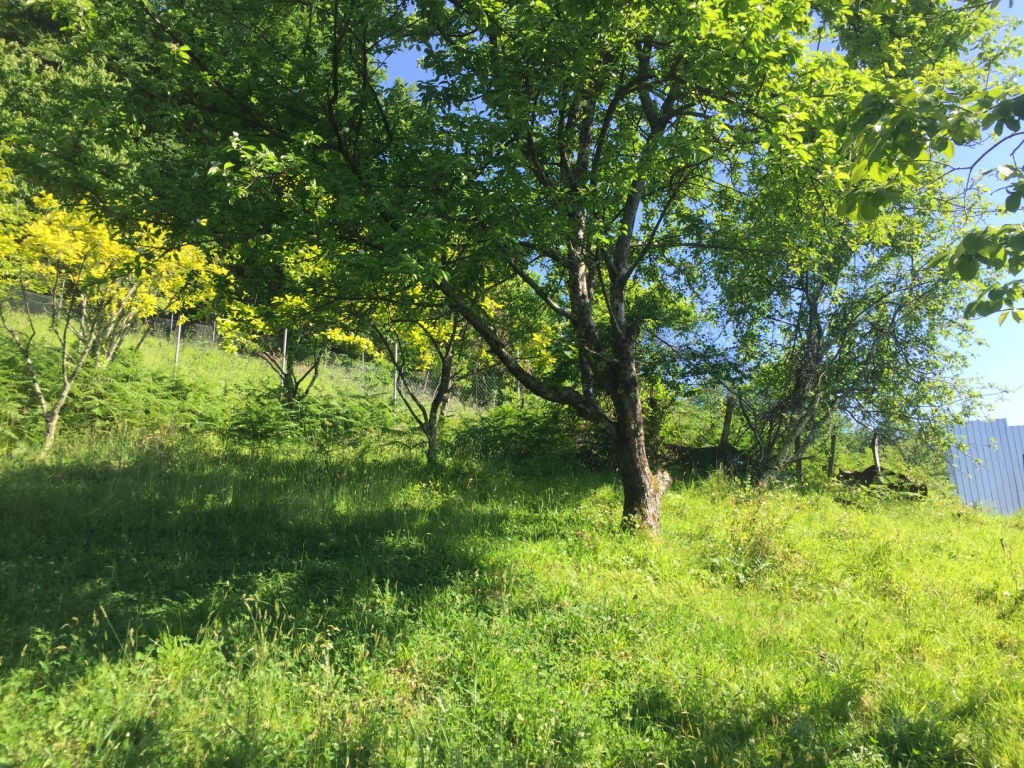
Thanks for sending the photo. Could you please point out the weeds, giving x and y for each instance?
(185, 595)
(754, 545)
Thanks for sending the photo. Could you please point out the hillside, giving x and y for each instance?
(179, 588)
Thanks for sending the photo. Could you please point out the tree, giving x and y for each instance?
(95, 285)
(903, 126)
(436, 344)
(589, 133)
(280, 303)
(830, 317)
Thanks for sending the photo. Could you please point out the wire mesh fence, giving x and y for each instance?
(33, 303)
(487, 386)
(192, 333)
(482, 388)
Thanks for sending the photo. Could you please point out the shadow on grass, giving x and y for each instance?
(109, 557)
(808, 730)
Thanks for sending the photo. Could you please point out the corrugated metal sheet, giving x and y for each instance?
(990, 473)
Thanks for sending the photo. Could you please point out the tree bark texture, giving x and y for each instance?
(641, 489)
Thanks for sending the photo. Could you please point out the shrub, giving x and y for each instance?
(518, 432)
(348, 419)
(260, 416)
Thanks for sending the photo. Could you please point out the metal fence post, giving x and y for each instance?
(394, 389)
(284, 358)
(177, 352)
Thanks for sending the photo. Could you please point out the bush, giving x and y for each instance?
(260, 416)
(517, 432)
(350, 419)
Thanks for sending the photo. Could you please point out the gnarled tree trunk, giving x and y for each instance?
(641, 489)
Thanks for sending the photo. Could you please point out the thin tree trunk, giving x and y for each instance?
(53, 416)
(789, 450)
(51, 432)
(442, 395)
(430, 430)
(875, 453)
(723, 443)
(832, 455)
(143, 337)
(51, 435)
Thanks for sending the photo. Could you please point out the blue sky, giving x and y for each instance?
(998, 361)
(1000, 358)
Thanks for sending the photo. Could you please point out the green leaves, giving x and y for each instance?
(1001, 297)
(901, 129)
(1004, 114)
(865, 204)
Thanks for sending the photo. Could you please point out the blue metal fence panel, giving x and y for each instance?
(1015, 454)
(990, 472)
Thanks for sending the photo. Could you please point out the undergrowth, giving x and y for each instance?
(217, 586)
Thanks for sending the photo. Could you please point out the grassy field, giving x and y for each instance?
(178, 597)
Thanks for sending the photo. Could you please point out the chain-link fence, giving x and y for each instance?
(192, 333)
(34, 303)
(484, 387)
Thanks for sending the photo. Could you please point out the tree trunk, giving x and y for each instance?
(51, 434)
(642, 490)
(614, 375)
(789, 449)
(143, 337)
(876, 454)
(53, 417)
(832, 456)
(430, 430)
(723, 443)
(439, 403)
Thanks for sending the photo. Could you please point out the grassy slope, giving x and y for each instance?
(190, 603)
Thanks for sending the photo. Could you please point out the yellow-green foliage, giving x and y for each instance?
(306, 274)
(87, 266)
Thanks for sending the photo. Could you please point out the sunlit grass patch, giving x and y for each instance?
(181, 598)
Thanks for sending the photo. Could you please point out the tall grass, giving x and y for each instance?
(179, 598)
(196, 605)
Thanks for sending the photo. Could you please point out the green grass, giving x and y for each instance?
(199, 606)
(180, 599)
